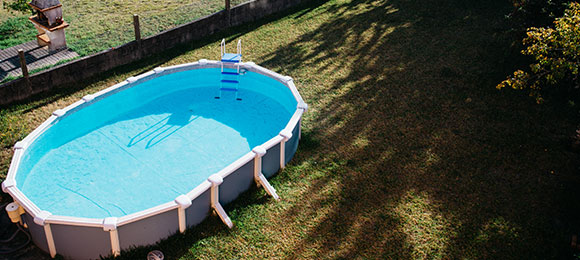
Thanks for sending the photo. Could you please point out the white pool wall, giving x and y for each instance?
(91, 238)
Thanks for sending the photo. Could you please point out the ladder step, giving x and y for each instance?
(229, 73)
(231, 57)
(229, 81)
(228, 89)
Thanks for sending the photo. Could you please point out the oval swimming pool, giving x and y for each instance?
(129, 165)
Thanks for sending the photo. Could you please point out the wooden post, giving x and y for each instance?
(137, 27)
(228, 12)
(23, 63)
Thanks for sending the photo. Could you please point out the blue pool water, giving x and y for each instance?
(150, 143)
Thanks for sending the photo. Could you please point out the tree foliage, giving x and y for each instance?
(528, 13)
(556, 52)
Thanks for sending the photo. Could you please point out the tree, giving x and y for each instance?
(528, 13)
(556, 52)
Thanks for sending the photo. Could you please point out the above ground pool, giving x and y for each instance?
(152, 156)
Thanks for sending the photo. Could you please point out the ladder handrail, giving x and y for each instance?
(239, 53)
(237, 61)
(223, 48)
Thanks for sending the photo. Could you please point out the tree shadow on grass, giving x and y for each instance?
(408, 151)
(419, 156)
(177, 245)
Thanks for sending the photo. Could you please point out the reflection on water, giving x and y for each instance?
(147, 155)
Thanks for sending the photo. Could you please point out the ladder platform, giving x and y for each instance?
(230, 81)
(228, 89)
(232, 57)
(230, 73)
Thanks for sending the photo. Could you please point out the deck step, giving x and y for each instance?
(230, 73)
(228, 89)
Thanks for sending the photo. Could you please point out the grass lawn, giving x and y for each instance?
(408, 151)
(98, 25)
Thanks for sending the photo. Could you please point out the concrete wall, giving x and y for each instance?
(89, 66)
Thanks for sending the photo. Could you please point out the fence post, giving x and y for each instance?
(228, 8)
(137, 27)
(23, 63)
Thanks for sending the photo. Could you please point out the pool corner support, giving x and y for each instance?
(286, 135)
(110, 225)
(215, 181)
(40, 219)
(183, 202)
(259, 176)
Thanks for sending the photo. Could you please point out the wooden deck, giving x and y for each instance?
(36, 57)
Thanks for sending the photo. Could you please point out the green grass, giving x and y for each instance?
(99, 25)
(407, 150)
(16, 30)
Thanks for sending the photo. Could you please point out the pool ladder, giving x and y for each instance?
(230, 77)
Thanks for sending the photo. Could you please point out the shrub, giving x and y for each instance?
(556, 52)
(17, 5)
